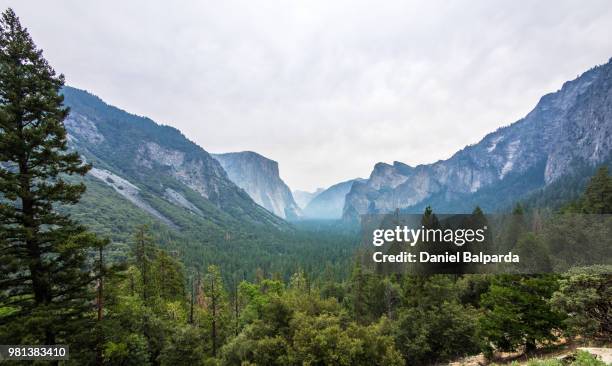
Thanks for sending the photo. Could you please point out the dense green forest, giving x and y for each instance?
(315, 246)
(133, 296)
(206, 231)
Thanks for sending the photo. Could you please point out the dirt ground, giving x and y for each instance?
(603, 353)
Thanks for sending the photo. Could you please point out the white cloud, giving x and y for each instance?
(326, 88)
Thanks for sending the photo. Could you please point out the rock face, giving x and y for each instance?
(571, 127)
(259, 177)
(153, 165)
(329, 203)
(129, 192)
(303, 198)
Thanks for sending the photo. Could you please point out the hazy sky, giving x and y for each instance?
(326, 88)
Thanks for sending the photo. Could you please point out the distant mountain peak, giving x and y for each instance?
(259, 177)
(303, 198)
(328, 204)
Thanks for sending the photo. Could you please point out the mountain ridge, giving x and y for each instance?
(155, 163)
(568, 127)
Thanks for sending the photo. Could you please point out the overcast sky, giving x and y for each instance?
(326, 88)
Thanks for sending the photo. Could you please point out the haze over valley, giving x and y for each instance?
(567, 131)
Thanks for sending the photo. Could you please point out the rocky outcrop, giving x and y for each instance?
(259, 177)
(129, 192)
(569, 127)
(204, 175)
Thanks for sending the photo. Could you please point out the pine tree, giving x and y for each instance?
(169, 277)
(357, 288)
(237, 306)
(429, 219)
(100, 277)
(478, 219)
(45, 277)
(191, 300)
(597, 198)
(515, 227)
(106, 277)
(433, 244)
(217, 307)
(519, 312)
(144, 253)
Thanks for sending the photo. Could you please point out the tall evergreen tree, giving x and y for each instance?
(217, 306)
(44, 275)
(144, 253)
(357, 289)
(515, 226)
(597, 198)
(429, 219)
(169, 277)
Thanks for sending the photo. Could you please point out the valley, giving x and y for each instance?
(127, 243)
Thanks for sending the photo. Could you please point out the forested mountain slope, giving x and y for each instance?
(144, 172)
(146, 163)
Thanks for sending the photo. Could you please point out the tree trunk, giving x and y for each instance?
(100, 305)
(530, 346)
(214, 317)
(40, 286)
(236, 310)
(192, 301)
